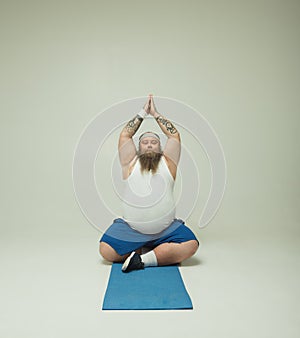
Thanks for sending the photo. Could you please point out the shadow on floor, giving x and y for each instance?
(192, 261)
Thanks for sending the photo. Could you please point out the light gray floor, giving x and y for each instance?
(240, 287)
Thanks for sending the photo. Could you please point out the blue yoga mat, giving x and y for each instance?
(153, 288)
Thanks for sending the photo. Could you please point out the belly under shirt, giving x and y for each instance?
(148, 203)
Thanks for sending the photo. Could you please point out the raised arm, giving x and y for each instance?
(173, 146)
(126, 147)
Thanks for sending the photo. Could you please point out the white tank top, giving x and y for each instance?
(148, 204)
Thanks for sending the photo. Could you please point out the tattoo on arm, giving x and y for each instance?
(133, 125)
(167, 124)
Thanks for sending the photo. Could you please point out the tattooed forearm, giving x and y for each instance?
(166, 125)
(133, 125)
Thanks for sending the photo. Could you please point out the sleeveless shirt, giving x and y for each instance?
(148, 204)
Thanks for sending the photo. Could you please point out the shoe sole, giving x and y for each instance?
(125, 265)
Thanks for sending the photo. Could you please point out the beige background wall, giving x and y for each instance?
(63, 62)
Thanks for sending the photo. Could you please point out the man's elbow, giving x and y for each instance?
(175, 135)
(125, 134)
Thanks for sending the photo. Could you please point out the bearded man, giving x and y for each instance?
(148, 233)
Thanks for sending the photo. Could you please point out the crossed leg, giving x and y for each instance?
(172, 253)
(166, 253)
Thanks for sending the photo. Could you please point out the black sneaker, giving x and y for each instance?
(133, 262)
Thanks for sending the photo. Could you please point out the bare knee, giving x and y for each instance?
(193, 246)
(109, 253)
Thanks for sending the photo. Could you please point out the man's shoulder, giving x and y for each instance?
(132, 163)
(171, 165)
(166, 158)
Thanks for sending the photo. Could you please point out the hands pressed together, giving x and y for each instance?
(149, 106)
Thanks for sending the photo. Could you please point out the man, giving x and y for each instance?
(148, 220)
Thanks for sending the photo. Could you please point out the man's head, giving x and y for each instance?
(149, 152)
(149, 141)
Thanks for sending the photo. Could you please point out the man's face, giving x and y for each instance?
(149, 145)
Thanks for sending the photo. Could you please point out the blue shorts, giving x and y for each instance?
(124, 239)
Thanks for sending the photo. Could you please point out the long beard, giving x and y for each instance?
(149, 161)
